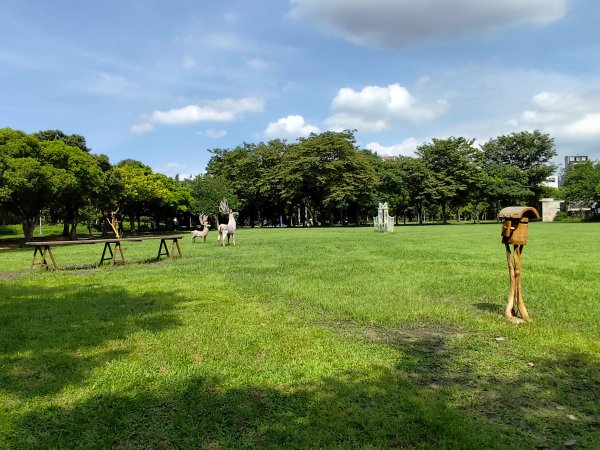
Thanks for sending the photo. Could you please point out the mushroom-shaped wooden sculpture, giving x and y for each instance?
(514, 232)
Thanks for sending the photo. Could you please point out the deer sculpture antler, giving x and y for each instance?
(224, 207)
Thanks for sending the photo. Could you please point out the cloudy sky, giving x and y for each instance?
(165, 81)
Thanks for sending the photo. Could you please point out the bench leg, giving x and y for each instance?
(113, 254)
(174, 245)
(118, 245)
(43, 261)
(106, 247)
(160, 252)
(47, 249)
(35, 251)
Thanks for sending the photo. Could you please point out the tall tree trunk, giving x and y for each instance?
(444, 212)
(73, 233)
(28, 228)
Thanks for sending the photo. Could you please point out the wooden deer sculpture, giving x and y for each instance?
(228, 229)
(203, 221)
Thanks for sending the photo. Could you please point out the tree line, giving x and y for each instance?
(53, 174)
(326, 179)
(322, 179)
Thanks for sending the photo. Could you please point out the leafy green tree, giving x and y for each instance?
(80, 180)
(73, 140)
(507, 185)
(174, 199)
(207, 191)
(530, 154)
(239, 168)
(581, 184)
(111, 187)
(248, 169)
(139, 190)
(327, 171)
(150, 194)
(414, 181)
(269, 200)
(452, 171)
(27, 183)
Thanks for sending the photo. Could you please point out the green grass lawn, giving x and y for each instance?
(306, 338)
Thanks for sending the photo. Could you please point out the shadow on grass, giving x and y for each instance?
(547, 402)
(490, 307)
(346, 412)
(49, 336)
(411, 406)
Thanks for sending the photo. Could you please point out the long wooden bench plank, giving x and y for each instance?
(44, 248)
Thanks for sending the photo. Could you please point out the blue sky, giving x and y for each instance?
(165, 81)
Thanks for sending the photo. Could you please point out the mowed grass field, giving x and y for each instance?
(306, 338)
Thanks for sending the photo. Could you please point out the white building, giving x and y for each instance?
(551, 181)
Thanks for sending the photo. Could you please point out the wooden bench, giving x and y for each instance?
(44, 249)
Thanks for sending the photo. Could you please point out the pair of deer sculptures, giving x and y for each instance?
(226, 230)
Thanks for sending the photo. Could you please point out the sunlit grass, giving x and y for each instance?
(305, 338)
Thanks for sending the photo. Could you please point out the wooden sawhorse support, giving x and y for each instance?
(174, 244)
(112, 253)
(43, 249)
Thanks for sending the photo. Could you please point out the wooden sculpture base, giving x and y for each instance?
(515, 309)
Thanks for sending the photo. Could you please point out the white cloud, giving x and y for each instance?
(223, 110)
(565, 114)
(397, 23)
(213, 134)
(142, 128)
(290, 127)
(375, 108)
(586, 127)
(406, 148)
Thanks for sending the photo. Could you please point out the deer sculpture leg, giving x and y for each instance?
(222, 234)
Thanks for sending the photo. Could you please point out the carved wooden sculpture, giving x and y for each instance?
(228, 229)
(203, 221)
(514, 232)
(114, 223)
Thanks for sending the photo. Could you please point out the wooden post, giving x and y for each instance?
(520, 311)
(174, 245)
(508, 312)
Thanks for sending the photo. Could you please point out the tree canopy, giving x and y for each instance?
(324, 178)
(581, 184)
